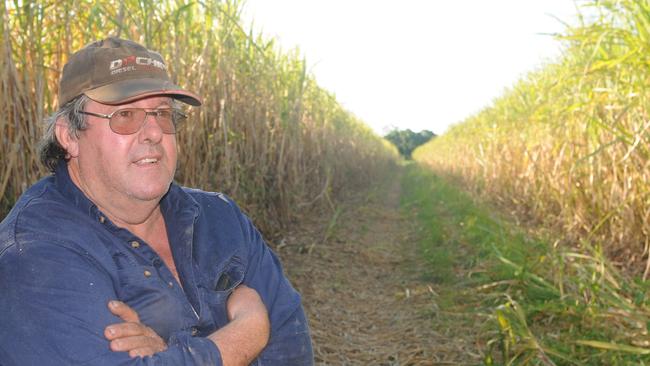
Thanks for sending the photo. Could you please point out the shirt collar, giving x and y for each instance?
(69, 190)
(175, 203)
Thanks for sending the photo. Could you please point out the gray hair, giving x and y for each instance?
(49, 149)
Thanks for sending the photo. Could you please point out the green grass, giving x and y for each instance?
(544, 306)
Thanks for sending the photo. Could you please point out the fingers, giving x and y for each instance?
(138, 346)
(122, 310)
(132, 336)
(121, 330)
(131, 343)
(141, 352)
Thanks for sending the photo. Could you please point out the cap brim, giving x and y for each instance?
(130, 90)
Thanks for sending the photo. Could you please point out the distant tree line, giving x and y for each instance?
(406, 140)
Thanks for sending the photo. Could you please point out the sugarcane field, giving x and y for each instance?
(512, 232)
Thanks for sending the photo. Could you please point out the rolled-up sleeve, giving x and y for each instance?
(53, 301)
(290, 341)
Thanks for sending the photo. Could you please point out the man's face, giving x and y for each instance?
(125, 169)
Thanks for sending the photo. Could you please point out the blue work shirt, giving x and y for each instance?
(62, 260)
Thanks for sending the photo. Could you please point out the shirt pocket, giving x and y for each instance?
(218, 284)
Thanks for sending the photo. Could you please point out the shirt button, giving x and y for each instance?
(194, 331)
(135, 244)
(102, 219)
(170, 284)
(147, 273)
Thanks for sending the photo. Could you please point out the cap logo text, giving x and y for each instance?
(129, 63)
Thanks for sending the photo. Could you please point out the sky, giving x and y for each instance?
(416, 64)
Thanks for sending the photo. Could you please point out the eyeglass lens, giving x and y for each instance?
(129, 120)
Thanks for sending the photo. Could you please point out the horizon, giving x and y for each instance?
(428, 70)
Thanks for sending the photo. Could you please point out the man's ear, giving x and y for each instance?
(68, 140)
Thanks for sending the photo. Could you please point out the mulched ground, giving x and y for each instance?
(361, 279)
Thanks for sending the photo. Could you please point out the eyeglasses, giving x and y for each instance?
(128, 121)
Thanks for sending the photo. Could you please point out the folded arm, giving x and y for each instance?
(290, 341)
(247, 333)
(54, 313)
(239, 342)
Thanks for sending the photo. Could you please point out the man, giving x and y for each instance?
(109, 262)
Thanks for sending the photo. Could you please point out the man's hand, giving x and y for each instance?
(247, 333)
(132, 336)
(239, 342)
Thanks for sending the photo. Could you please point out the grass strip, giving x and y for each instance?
(542, 304)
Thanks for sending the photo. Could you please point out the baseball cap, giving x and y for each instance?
(116, 71)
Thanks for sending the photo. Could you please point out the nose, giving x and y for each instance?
(150, 132)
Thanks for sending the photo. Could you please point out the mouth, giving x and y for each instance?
(146, 161)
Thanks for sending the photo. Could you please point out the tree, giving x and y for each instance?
(406, 140)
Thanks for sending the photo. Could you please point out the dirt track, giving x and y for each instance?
(363, 288)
